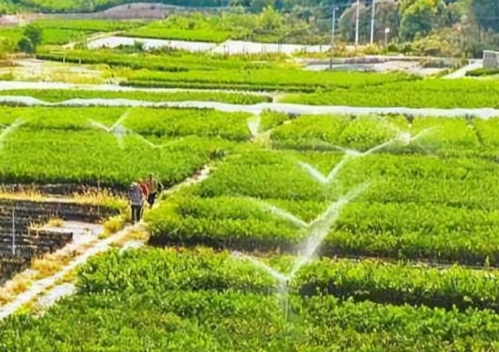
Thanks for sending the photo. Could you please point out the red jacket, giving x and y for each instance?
(144, 189)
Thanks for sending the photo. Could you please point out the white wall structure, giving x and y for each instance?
(229, 47)
(490, 59)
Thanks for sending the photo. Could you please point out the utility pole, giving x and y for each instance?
(333, 25)
(372, 20)
(357, 24)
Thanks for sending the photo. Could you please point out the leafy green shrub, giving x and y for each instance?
(484, 71)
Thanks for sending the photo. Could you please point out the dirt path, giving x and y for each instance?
(473, 65)
(49, 287)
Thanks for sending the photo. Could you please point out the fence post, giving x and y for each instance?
(13, 231)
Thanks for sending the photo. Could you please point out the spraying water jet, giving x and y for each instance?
(253, 124)
(117, 129)
(317, 230)
(349, 154)
(9, 130)
(156, 146)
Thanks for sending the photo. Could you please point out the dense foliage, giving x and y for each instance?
(283, 79)
(365, 280)
(88, 26)
(267, 26)
(59, 95)
(433, 199)
(59, 144)
(178, 315)
(446, 94)
(424, 27)
(174, 61)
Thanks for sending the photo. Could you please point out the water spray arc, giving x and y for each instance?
(157, 146)
(401, 137)
(253, 124)
(117, 129)
(8, 130)
(317, 230)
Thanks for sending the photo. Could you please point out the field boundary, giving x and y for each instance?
(289, 108)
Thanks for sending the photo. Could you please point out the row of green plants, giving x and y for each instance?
(86, 25)
(59, 95)
(150, 122)
(430, 93)
(454, 181)
(49, 36)
(94, 157)
(203, 269)
(207, 321)
(150, 316)
(364, 132)
(484, 71)
(472, 137)
(162, 30)
(362, 230)
(159, 60)
(265, 79)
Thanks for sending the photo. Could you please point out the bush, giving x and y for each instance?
(393, 48)
(484, 71)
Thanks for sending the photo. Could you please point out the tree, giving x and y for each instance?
(6, 46)
(485, 13)
(386, 16)
(270, 19)
(25, 45)
(420, 17)
(258, 5)
(346, 23)
(34, 34)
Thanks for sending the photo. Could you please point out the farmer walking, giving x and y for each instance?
(153, 185)
(136, 201)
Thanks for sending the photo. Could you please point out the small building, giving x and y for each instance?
(490, 59)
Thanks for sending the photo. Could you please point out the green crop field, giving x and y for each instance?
(446, 94)
(60, 95)
(61, 145)
(281, 227)
(407, 263)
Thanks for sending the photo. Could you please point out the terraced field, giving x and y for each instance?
(312, 232)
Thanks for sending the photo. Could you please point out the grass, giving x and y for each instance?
(140, 234)
(59, 95)
(56, 222)
(28, 193)
(91, 197)
(102, 197)
(18, 284)
(49, 265)
(113, 225)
